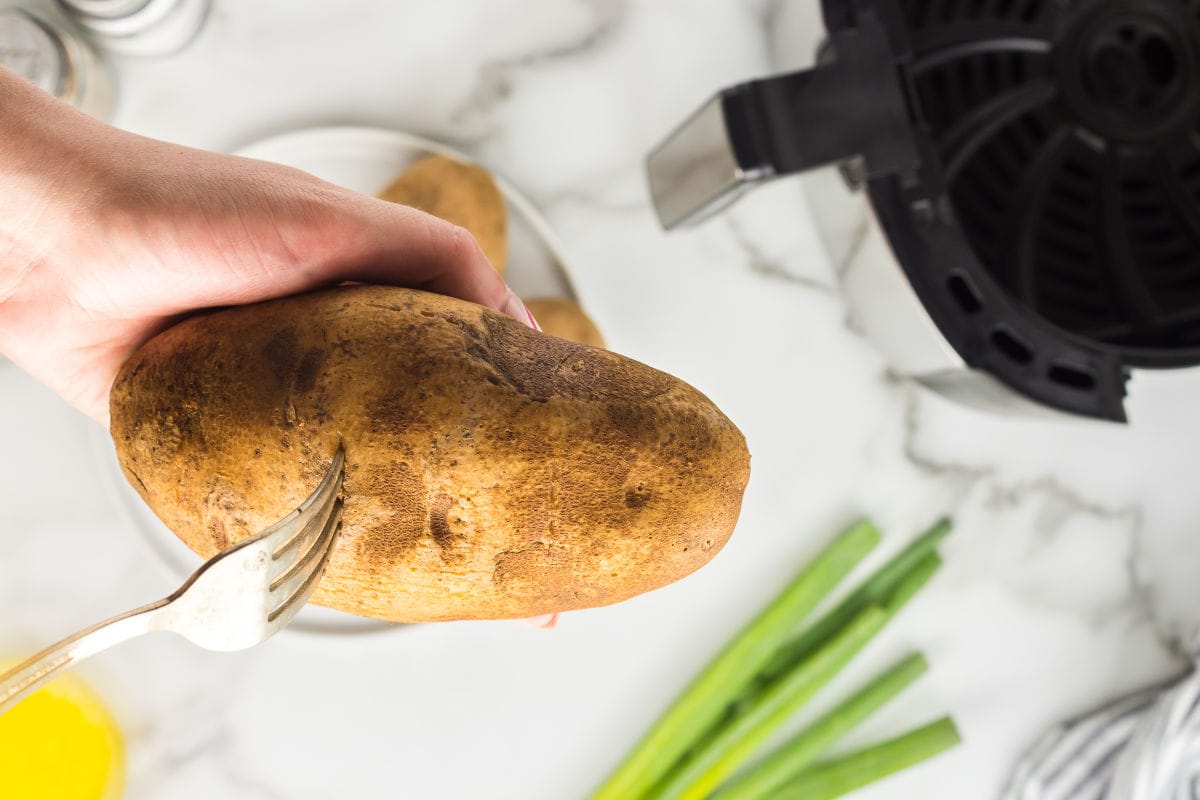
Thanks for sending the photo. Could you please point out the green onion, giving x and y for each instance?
(873, 590)
(805, 747)
(847, 773)
(706, 767)
(715, 758)
(727, 675)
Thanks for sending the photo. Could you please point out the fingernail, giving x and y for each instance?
(544, 622)
(517, 310)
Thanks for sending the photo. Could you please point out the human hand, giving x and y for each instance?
(106, 238)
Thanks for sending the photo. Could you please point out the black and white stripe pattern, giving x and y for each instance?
(1142, 747)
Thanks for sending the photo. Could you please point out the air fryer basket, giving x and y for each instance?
(1033, 164)
(1052, 229)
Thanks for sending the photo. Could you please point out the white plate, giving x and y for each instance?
(366, 160)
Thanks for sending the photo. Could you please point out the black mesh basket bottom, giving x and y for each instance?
(1069, 138)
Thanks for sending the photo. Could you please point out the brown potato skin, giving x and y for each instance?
(564, 318)
(464, 194)
(492, 471)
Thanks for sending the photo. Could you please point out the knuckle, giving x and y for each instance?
(460, 242)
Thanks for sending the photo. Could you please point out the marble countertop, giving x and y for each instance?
(1071, 576)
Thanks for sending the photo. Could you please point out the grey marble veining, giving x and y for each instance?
(496, 76)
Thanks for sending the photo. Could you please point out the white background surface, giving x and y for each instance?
(1071, 576)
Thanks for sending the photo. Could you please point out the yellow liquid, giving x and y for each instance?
(60, 743)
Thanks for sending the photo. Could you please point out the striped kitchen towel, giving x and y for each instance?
(1142, 747)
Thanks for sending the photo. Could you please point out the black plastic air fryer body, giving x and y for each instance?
(1033, 164)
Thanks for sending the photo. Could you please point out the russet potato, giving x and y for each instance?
(565, 319)
(491, 471)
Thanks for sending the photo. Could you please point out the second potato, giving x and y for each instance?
(463, 194)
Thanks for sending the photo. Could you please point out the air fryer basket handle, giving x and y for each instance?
(853, 104)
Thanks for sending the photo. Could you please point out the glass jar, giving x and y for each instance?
(40, 45)
(139, 27)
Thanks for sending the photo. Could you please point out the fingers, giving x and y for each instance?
(407, 247)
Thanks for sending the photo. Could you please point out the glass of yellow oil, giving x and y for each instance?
(61, 743)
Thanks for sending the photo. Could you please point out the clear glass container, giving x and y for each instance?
(41, 45)
(151, 28)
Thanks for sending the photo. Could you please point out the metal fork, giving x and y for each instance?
(237, 599)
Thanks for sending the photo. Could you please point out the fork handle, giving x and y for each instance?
(29, 675)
